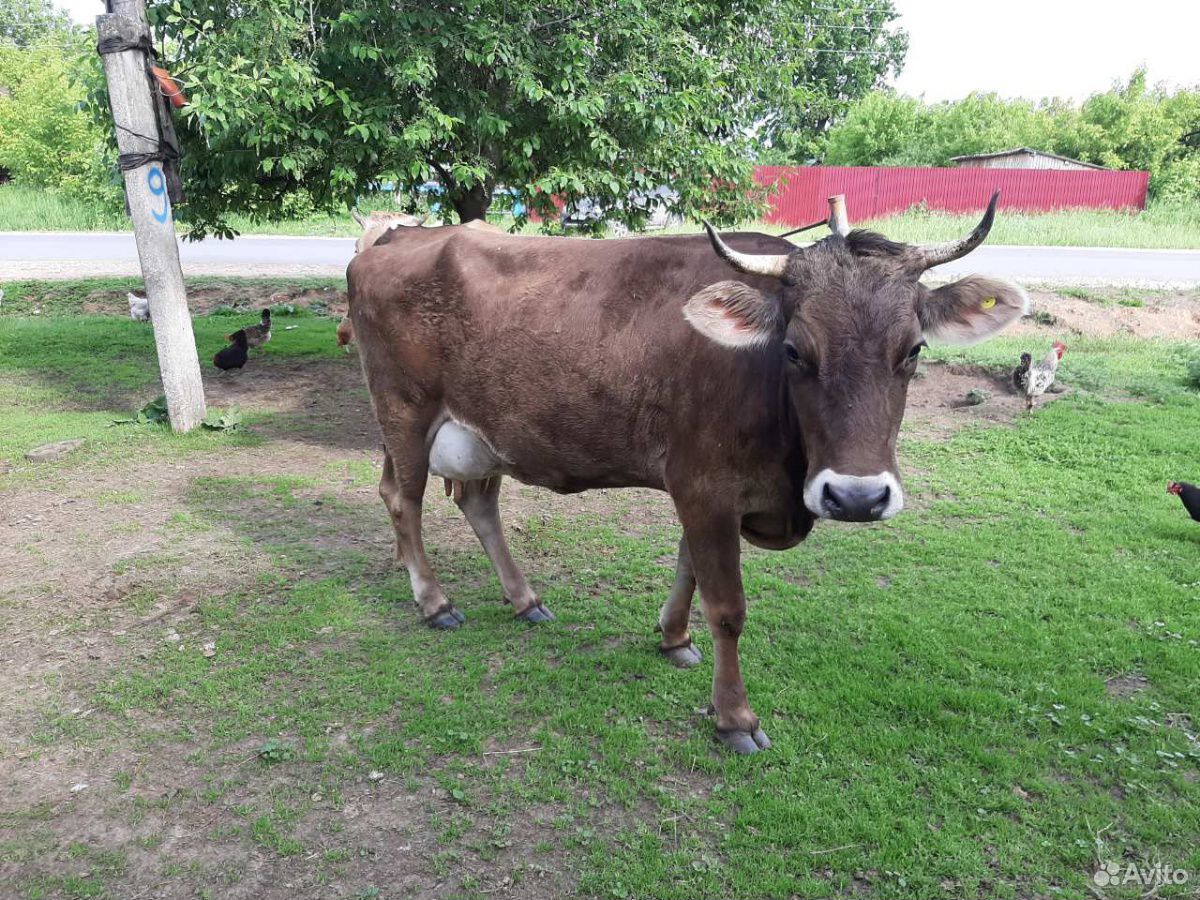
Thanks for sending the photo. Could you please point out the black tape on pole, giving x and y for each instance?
(167, 144)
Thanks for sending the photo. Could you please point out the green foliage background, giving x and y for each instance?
(26, 22)
(47, 137)
(1132, 126)
(592, 99)
(299, 109)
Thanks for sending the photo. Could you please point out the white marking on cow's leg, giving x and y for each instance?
(426, 590)
(884, 488)
(480, 503)
(673, 620)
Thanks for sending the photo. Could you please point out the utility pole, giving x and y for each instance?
(136, 119)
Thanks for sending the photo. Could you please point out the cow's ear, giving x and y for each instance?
(971, 310)
(734, 315)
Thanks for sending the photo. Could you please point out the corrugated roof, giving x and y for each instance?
(1015, 150)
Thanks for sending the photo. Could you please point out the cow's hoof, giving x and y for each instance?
(445, 619)
(536, 615)
(744, 742)
(683, 657)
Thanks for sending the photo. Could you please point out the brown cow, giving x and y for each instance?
(761, 386)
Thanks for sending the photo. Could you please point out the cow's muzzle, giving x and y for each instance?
(853, 498)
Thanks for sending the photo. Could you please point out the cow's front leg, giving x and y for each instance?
(676, 644)
(716, 560)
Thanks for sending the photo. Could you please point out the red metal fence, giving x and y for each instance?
(873, 192)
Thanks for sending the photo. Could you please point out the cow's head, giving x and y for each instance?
(847, 323)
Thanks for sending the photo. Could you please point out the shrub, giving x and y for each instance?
(46, 137)
(1191, 368)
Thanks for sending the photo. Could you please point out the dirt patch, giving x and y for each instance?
(1170, 315)
(273, 384)
(243, 295)
(90, 585)
(313, 401)
(938, 402)
(1121, 687)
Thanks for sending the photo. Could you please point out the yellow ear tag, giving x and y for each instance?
(987, 303)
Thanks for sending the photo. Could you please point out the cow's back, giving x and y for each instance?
(571, 356)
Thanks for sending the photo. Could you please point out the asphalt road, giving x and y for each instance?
(66, 255)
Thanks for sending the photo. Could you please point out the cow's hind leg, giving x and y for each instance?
(402, 488)
(676, 644)
(480, 502)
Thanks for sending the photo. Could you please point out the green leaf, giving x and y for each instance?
(222, 421)
(153, 413)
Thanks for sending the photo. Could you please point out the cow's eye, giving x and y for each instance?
(916, 351)
(793, 354)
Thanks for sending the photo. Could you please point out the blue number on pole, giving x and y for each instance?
(157, 182)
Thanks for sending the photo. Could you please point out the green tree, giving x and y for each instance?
(46, 139)
(548, 98)
(827, 57)
(982, 123)
(26, 22)
(886, 129)
(1132, 126)
(880, 130)
(1135, 126)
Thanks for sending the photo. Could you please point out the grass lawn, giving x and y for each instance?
(1162, 225)
(30, 209)
(982, 698)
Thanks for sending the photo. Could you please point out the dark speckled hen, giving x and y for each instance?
(257, 335)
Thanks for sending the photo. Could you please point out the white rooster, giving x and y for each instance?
(139, 308)
(1041, 375)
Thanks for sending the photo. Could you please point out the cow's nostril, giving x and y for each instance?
(881, 502)
(830, 501)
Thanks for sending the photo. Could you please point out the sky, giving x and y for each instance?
(1038, 48)
(1019, 48)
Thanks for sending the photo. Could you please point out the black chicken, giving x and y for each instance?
(233, 356)
(1020, 375)
(1189, 494)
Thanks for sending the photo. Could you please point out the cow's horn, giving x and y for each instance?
(771, 264)
(936, 254)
